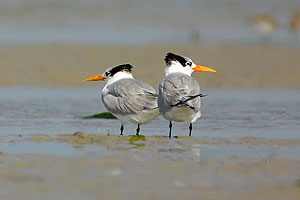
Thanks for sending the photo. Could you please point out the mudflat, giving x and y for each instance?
(124, 167)
(237, 66)
(245, 146)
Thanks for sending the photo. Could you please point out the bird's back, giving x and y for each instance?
(179, 89)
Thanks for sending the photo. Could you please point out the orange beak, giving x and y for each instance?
(95, 78)
(200, 68)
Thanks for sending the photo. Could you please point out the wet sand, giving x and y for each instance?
(245, 146)
(152, 168)
(237, 66)
(80, 137)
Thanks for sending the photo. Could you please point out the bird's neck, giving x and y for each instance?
(177, 68)
(118, 76)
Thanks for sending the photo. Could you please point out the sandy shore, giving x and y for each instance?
(151, 168)
(245, 146)
(237, 66)
(81, 137)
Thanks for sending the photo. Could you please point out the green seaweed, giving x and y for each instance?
(103, 115)
(135, 138)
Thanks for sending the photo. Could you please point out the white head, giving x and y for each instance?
(113, 74)
(176, 63)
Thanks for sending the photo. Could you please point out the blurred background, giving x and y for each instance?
(248, 133)
(251, 44)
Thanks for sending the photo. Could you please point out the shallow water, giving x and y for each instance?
(131, 21)
(227, 114)
(247, 142)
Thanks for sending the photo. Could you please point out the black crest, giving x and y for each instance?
(124, 67)
(173, 57)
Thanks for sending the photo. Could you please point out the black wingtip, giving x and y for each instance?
(183, 102)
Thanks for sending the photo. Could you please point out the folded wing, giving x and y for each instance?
(130, 96)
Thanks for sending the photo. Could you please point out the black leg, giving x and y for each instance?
(191, 127)
(122, 129)
(138, 130)
(170, 126)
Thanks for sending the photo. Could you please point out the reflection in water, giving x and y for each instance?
(231, 116)
(247, 138)
(226, 113)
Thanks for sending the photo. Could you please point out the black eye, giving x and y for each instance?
(188, 63)
(106, 74)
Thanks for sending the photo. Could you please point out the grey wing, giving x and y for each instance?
(177, 90)
(130, 96)
(148, 89)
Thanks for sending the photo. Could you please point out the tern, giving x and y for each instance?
(266, 26)
(179, 93)
(128, 99)
(295, 24)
